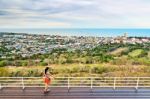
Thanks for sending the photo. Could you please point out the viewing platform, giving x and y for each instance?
(76, 88)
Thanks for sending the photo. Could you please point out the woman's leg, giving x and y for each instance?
(46, 87)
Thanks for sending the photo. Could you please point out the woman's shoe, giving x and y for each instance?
(48, 89)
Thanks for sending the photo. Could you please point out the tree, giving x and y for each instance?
(43, 64)
(3, 63)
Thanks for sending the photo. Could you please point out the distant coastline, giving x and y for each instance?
(82, 32)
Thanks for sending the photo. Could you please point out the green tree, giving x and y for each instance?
(3, 63)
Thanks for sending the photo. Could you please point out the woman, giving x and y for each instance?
(47, 79)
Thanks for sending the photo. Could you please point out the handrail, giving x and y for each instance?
(69, 82)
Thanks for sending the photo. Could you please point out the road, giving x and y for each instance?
(74, 93)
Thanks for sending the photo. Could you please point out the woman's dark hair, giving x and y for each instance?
(46, 69)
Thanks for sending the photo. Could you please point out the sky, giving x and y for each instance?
(74, 13)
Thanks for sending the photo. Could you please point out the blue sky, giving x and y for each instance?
(74, 14)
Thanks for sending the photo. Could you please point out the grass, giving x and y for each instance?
(118, 51)
(149, 54)
(80, 70)
(135, 53)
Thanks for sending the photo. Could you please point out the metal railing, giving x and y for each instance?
(90, 82)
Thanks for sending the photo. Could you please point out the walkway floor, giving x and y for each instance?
(74, 93)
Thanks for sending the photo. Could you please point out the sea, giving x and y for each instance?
(97, 32)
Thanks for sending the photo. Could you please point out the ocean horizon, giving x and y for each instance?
(83, 32)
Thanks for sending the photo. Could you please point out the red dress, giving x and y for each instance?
(47, 80)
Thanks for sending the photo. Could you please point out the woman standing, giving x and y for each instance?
(47, 79)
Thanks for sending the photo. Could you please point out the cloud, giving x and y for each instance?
(75, 13)
(3, 13)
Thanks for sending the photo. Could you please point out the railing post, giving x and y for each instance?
(68, 84)
(91, 83)
(137, 84)
(23, 83)
(114, 83)
(0, 86)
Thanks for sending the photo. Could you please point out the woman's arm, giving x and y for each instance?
(51, 76)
